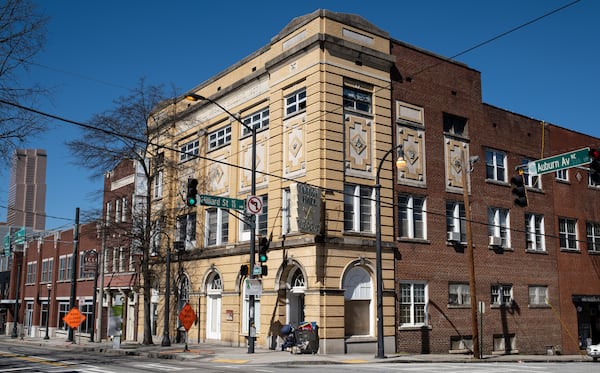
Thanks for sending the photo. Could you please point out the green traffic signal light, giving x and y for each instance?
(192, 192)
(263, 248)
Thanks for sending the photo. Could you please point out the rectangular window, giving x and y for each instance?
(495, 165)
(258, 121)
(158, 184)
(219, 138)
(217, 227)
(567, 233)
(186, 230)
(593, 236)
(504, 343)
(459, 294)
(44, 315)
(108, 212)
(455, 125)
(499, 224)
(125, 207)
(286, 213)
(411, 216)
(86, 309)
(47, 265)
(456, 219)
(534, 224)
(189, 150)
(295, 102)
(63, 309)
(502, 295)
(69, 267)
(562, 175)
(357, 99)
(358, 208)
(538, 295)
(62, 268)
(117, 210)
(413, 302)
(31, 273)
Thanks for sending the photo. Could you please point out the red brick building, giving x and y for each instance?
(46, 282)
(577, 238)
(442, 126)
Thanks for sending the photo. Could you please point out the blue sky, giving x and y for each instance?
(96, 51)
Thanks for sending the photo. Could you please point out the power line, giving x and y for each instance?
(510, 31)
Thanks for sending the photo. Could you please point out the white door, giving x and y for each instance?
(213, 316)
(214, 289)
(129, 332)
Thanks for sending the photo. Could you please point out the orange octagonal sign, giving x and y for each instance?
(187, 316)
(74, 318)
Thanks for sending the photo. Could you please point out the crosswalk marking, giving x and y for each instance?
(161, 367)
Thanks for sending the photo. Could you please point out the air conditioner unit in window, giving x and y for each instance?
(495, 241)
(453, 237)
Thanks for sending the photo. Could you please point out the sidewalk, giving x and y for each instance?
(239, 355)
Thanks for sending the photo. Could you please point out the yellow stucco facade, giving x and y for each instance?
(304, 90)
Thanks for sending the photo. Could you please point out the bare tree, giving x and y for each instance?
(22, 32)
(119, 134)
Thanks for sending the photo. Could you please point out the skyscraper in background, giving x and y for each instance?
(27, 189)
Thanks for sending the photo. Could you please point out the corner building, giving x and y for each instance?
(332, 98)
(319, 97)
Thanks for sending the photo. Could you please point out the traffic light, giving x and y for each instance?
(519, 190)
(595, 165)
(192, 192)
(262, 249)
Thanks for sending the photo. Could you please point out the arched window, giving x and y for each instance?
(358, 297)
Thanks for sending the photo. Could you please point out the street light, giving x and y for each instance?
(251, 217)
(49, 286)
(400, 163)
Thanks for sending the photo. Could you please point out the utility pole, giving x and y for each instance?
(472, 288)
(74, 270)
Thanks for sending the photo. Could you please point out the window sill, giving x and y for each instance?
(564, 250)
(459, 306)
(539, 306)
(540, 252)
(499, 306)
(414, 327)
(497, 182)
(413, 240)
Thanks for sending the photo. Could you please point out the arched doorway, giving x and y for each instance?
(296, 286)
(214, 290)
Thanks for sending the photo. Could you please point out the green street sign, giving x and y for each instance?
(7, 245)
(20, 236)
(222, 202)
(559, 162)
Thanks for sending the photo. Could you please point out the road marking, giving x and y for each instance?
(163, 367)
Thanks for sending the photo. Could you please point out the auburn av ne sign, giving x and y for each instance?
(305, 209)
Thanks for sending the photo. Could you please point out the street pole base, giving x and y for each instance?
(166, 341)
